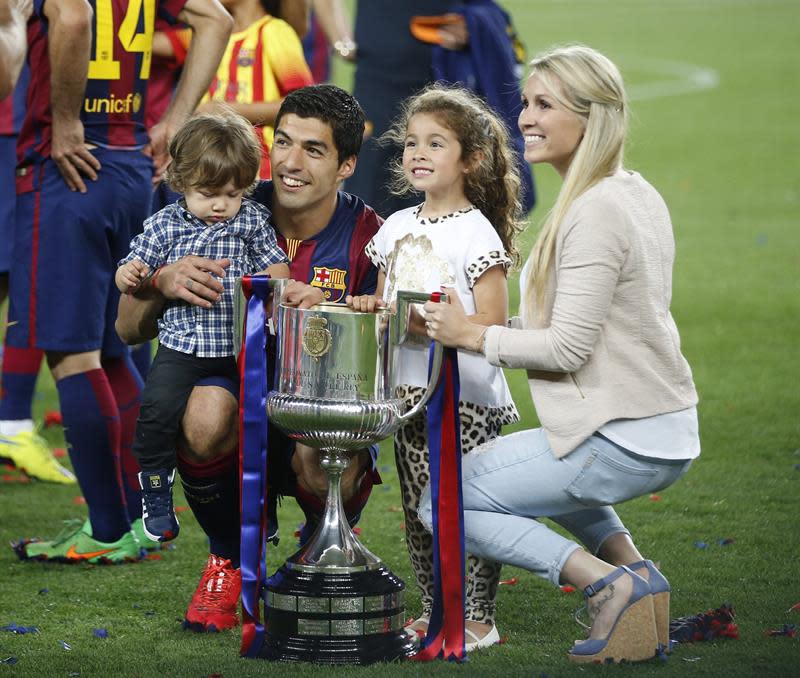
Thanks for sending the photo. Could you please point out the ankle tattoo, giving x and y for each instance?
(596, 603)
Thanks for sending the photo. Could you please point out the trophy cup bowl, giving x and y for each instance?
(334, 601)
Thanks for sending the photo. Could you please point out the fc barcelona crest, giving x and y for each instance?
(331, 281)
(316, 337)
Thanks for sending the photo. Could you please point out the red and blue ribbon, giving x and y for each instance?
(254, 387)
(445, 637)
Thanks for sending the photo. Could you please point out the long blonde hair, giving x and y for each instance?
(590, 85)
(493, 185)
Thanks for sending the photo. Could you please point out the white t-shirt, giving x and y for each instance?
(422, 255)
(673, 435)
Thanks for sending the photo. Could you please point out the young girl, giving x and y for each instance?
(215, 161)
(456, 152)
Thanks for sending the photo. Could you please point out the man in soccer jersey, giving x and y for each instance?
(324, 231)
(19, 442)
(84, 169)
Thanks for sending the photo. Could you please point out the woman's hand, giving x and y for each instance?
(449, 325)
(365, 303)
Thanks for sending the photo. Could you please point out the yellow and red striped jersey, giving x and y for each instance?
(264, 62)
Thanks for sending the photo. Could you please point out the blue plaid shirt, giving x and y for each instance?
(248, 240)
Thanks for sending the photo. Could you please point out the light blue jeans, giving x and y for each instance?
(512, 481)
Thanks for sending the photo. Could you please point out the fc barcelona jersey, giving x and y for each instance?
(264, 62)
(334, 259)
(114, 103)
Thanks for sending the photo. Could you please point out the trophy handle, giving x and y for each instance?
(400, 334)
(278, 285)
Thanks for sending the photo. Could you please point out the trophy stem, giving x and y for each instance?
(334, 463)
(333, 546)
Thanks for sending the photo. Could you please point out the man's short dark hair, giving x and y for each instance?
(333, 106)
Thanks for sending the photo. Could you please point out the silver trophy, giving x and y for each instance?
(334, 601)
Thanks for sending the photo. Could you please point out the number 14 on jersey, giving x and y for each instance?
(104, 65)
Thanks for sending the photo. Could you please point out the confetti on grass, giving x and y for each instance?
(100, 633)
(15, 478)
(21, 630)
(9, 660)
(788, 630)
(719, 623)
(65, 645)
(52, 418)
(700, 545)
(509, 582)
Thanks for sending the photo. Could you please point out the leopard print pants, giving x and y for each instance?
(411, 456)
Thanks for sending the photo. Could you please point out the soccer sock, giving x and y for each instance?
(92, 430)
(126, 385)
(20, 370)
(212, 491)
(356, 503)
(313, 507)
(142, 358)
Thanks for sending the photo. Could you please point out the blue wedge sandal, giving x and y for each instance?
(633, 637)
(660, 588)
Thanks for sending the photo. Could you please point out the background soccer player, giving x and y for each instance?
(85, 164)
(19, 442)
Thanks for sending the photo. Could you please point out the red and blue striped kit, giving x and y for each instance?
(334, 259)
(114, 104)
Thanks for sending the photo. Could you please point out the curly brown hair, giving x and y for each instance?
(493, 184)
(211, 150)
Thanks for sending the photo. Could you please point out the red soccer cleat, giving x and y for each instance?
(214, 603)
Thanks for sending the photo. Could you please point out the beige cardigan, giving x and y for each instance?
(610, 349)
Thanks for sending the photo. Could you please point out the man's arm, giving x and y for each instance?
(191, 279)
(295, 13)
(70, 42)
(13, 15)
(211, 26)
(256, 112)
(336, 25)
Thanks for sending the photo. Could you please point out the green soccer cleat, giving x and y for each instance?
(76, 545)
(30, 453)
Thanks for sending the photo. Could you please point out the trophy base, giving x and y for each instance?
(326, 618)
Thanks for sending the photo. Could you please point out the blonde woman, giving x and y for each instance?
(611, 388)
